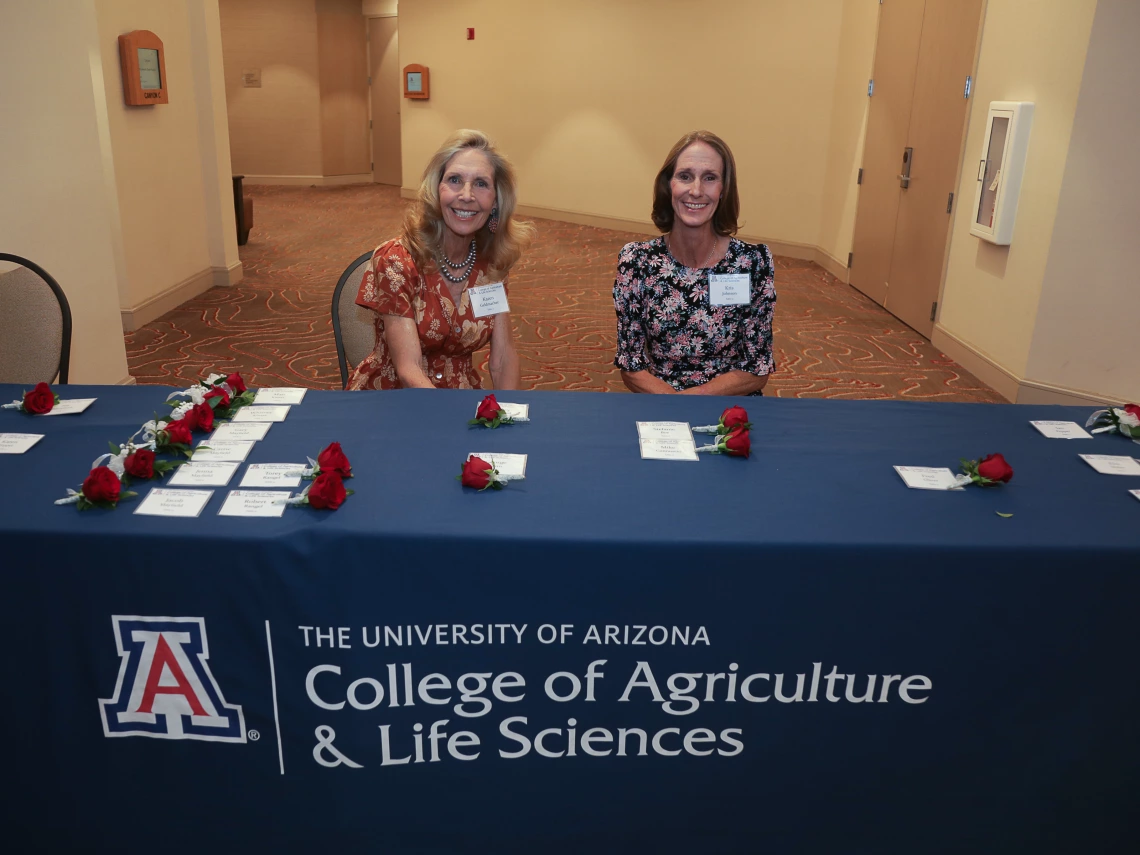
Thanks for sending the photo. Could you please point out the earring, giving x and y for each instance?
(493, 223)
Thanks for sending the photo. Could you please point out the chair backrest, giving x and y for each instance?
(354, 327)
(35, 324)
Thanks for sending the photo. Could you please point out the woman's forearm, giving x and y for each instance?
(643, 381)
(730, 383)
(504, 368)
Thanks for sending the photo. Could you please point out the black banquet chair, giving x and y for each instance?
(354, 327)
(35, 324)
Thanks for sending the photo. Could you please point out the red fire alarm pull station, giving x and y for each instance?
(470, 33)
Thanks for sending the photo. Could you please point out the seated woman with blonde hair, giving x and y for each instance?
(459, 233)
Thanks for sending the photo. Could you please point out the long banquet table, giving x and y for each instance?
(789, 653)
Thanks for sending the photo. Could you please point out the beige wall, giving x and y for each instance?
(343, 61)
(1031, 51)
(587, 97)
(171, 207)
(274, 130)
(57, 173)
(1090, 304)
(378, 8)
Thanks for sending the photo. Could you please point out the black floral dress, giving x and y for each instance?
(667, 326)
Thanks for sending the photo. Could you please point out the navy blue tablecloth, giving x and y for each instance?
(789, 653)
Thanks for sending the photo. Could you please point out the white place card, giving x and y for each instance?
(212, 452)
(1135, 493)
(730, 289)
(488, 299)
(280, 395)
(1061, 430)
(254, 503)
(18, 443)
(161, 502)
(675, 431)
(261, 414)
(928, 478)
(1109, 464)
(70, 406)
(203, 474)
(508, 465)
(668, 449)
(272, 475)
(242, 432)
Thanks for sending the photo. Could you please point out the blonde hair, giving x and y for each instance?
(423, 223)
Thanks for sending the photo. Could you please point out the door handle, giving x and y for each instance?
(904, 176)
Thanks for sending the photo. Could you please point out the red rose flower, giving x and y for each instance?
(102, 485)
(235, 382)
(218, 392)
(737, 442)
(734, 416)
(327, 491)
(488, 409)
(332, 459)
(1131, 409)
(994, 467)
(40, 400)
(178, 433)
(140, 463)
(203, 417)
(476, 473)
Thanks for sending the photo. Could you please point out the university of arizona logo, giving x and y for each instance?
(165, 688)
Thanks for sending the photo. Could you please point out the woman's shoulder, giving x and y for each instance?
(641, 249)
(757, 251)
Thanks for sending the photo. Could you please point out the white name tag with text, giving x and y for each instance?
(18, 443)
(730, 289)
(280, 395)
(1061, 430)
(203, 474)
(70, 406)
(1111, 464)
(488, 299)
(160, 502)
(254, 503)
(928, 478)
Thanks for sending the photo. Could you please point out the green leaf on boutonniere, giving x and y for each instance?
(115, 450)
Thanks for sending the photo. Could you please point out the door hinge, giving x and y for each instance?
(369, 124)
(933, 309)
(870, 87)
(950, 203)
(850, 258)
(369, 79)
(859, 180)
(969, 86)
(372, 165)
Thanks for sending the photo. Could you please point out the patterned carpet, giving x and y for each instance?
(274, 327)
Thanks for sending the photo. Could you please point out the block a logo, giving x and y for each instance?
(165, 688)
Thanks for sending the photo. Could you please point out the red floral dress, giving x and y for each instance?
(448, 335)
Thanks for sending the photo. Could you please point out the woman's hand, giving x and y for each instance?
(643, 381)
(407, 357)
(730, 383)
(504, 360)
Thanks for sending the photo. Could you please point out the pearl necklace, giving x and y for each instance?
(463, 267)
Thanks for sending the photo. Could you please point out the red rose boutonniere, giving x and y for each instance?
(990, 471)
(38, 401)
(491, 414)
(223, 394)
(327, 472)
(730, 419)
(479, 474)
(101, 489)
(1124, 420)
(735, 443)
(332, 459)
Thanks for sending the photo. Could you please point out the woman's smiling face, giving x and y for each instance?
(467, 192)
(696, 185)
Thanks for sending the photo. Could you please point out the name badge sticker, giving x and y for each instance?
(730, 289)
(488, 299)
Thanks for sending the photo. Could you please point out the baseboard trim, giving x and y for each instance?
(1036, 392)
(126, 381)
(231, 275)
(310, 180)
(134, 317)
(833, 265)
(984, 367)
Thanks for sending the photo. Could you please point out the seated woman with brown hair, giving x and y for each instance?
(459, 233)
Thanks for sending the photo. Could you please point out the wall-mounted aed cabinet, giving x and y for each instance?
(1000, 170)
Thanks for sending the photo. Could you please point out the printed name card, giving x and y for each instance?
(272, 475)
(202, 474)
(70, 406)
(730, 289)
(928, 478)
(1061, 430)
(488, 299)
(666, 441)
(262, 414)
(161, 502)
(18, 443)
(243, 432)
(280, 395)
(508, 465)
(1108, 464)
(1135, 493)
(212, 452)
(254, 503)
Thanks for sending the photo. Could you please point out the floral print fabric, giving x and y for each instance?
(448, 334)
(668, 327)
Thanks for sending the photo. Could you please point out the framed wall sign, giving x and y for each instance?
(144, 69)
(417, 83)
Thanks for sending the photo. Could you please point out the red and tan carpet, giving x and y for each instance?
(274, 326)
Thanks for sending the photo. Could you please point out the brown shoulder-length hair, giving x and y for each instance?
(423, 222)
(727, 210)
